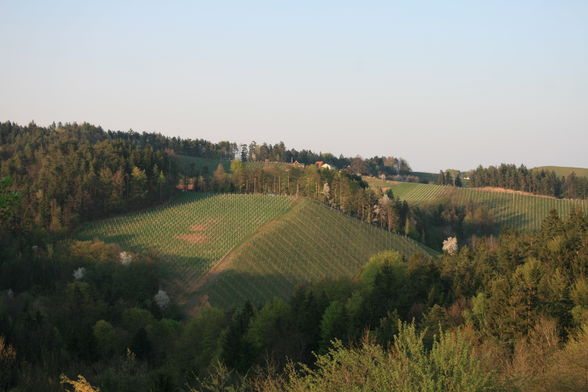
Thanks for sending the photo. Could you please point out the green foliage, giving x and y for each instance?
(268, 327)
(333, 324)
(450, 365)
(71, 173)
(376, 263)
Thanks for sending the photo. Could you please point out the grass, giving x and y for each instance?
(563, 171)
(227, 248)
(186, 163)
(309, 243)
(524, 212)
(193, 232)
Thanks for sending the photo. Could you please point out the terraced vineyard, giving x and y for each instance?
(227, 248)
(510, 209)
(308, 243)
(193, 232)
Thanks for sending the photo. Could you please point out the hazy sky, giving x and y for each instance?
(444, 84)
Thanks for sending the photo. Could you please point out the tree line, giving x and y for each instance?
(542, 182)
(374, 166)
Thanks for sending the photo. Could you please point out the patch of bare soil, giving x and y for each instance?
(199, 227)
(193, 238)
(191, 300)
(505, 190)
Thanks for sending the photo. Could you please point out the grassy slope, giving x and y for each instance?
(309, 243)
(510, 209)
(565, 171)
(193, 232)
(257, 246)
(184, 162)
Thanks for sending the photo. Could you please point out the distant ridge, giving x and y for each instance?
(564, 171)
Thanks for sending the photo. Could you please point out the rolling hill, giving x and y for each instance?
(310, 242)
(192, 232)
(510, 208)
(563, 171)
(223, 249)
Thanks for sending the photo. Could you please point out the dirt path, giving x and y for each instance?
(190, 300)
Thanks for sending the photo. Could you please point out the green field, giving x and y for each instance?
(563, 171)
(186, 163)
(225, 248)
(193, 232)
(309, 243)
(510, 209)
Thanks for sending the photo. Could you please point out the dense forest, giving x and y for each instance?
(542, 182)
(495, 312)
(71, 173)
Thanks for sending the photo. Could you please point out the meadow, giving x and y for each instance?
(564, 171)
(187, 163)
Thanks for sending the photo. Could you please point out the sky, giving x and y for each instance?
(443, 84)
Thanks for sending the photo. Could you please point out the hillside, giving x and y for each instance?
(192, 232)
(258, 246)
(310, 242)
(563, 171)
(508, 208)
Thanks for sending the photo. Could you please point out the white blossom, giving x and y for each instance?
(10, 293)
(384, 200)
(125, 258)
(450, 245)
(326, 190)
(161, 299)
(79, 273)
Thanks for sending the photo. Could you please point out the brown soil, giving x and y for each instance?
(193, 238)
(504, 190)
(199, 227)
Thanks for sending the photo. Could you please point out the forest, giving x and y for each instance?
(494, 312)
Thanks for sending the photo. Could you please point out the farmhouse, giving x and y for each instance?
(323, 165)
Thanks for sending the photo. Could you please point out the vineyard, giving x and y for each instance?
(254, 246)
(192, 233)
(309, 243)
(508, 208)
